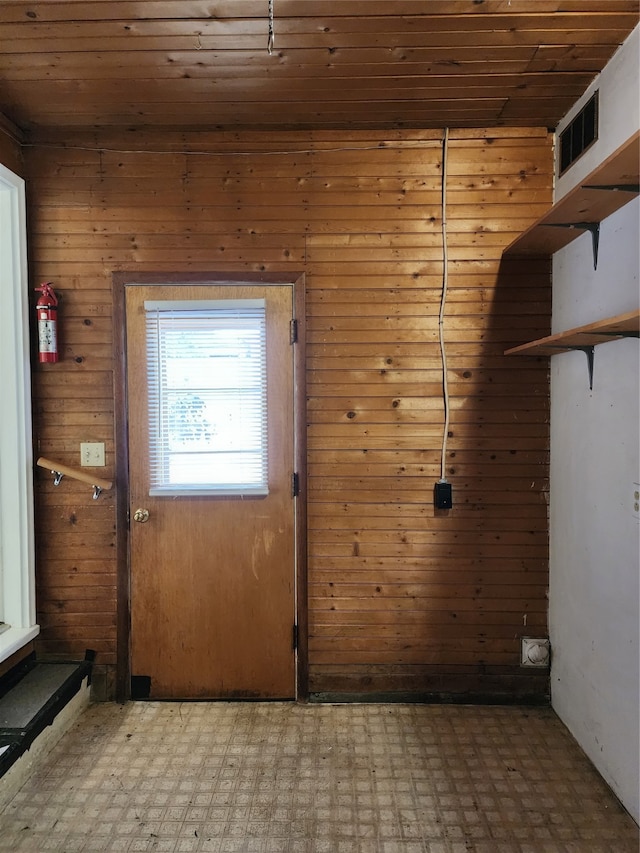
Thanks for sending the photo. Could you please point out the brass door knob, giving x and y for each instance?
(141, 515)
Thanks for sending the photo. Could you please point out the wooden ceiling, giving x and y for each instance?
(335, 64)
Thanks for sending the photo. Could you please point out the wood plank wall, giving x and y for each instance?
(10, 153)
(402, 599)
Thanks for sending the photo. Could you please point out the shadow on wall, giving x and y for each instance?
(496, 459)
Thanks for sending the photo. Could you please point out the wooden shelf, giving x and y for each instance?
(585, 204)
(611, 329)
(584, 338)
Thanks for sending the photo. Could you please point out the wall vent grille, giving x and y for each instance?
(580, 134)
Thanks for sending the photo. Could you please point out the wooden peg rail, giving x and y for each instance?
(98, 483)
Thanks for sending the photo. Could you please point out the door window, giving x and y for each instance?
(206, 374)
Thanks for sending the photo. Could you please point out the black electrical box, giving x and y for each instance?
(442, 495)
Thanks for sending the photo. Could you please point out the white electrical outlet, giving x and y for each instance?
(635, 499)
(534, 652)
(92, 454)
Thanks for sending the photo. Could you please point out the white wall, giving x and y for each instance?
(595, 460)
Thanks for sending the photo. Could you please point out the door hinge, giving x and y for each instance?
(295, 637)
(295, 485)
(293, 332)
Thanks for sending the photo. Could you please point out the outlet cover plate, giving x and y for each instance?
(535, 652)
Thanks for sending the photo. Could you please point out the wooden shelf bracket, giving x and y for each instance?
(59, 471)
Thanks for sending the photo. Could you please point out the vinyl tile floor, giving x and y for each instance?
(287, 778)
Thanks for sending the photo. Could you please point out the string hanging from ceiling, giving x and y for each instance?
(271, 36)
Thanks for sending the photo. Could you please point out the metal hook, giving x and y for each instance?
(57, 476)
(96, 492)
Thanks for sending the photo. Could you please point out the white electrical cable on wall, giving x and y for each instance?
(445, 284)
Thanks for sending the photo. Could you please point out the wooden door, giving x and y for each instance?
(212, 575)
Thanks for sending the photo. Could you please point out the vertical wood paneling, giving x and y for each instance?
(401, 597)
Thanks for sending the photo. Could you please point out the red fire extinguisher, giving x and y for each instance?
(47, 312)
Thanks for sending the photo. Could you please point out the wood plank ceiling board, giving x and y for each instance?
(335, 64)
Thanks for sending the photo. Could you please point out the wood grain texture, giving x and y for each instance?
(10, 151)
(607, 329)
(340, 64)
(390, 578)
(212, 578)
(590, 202)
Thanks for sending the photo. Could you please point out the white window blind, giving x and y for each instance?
(207, 378)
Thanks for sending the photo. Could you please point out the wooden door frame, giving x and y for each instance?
(123, 608)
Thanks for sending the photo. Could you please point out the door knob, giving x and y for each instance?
(141, 515)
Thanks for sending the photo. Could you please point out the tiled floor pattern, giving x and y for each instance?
(286, 778)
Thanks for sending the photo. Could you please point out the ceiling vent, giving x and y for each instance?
(580, 134)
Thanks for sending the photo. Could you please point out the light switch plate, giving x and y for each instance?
(92, 454)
